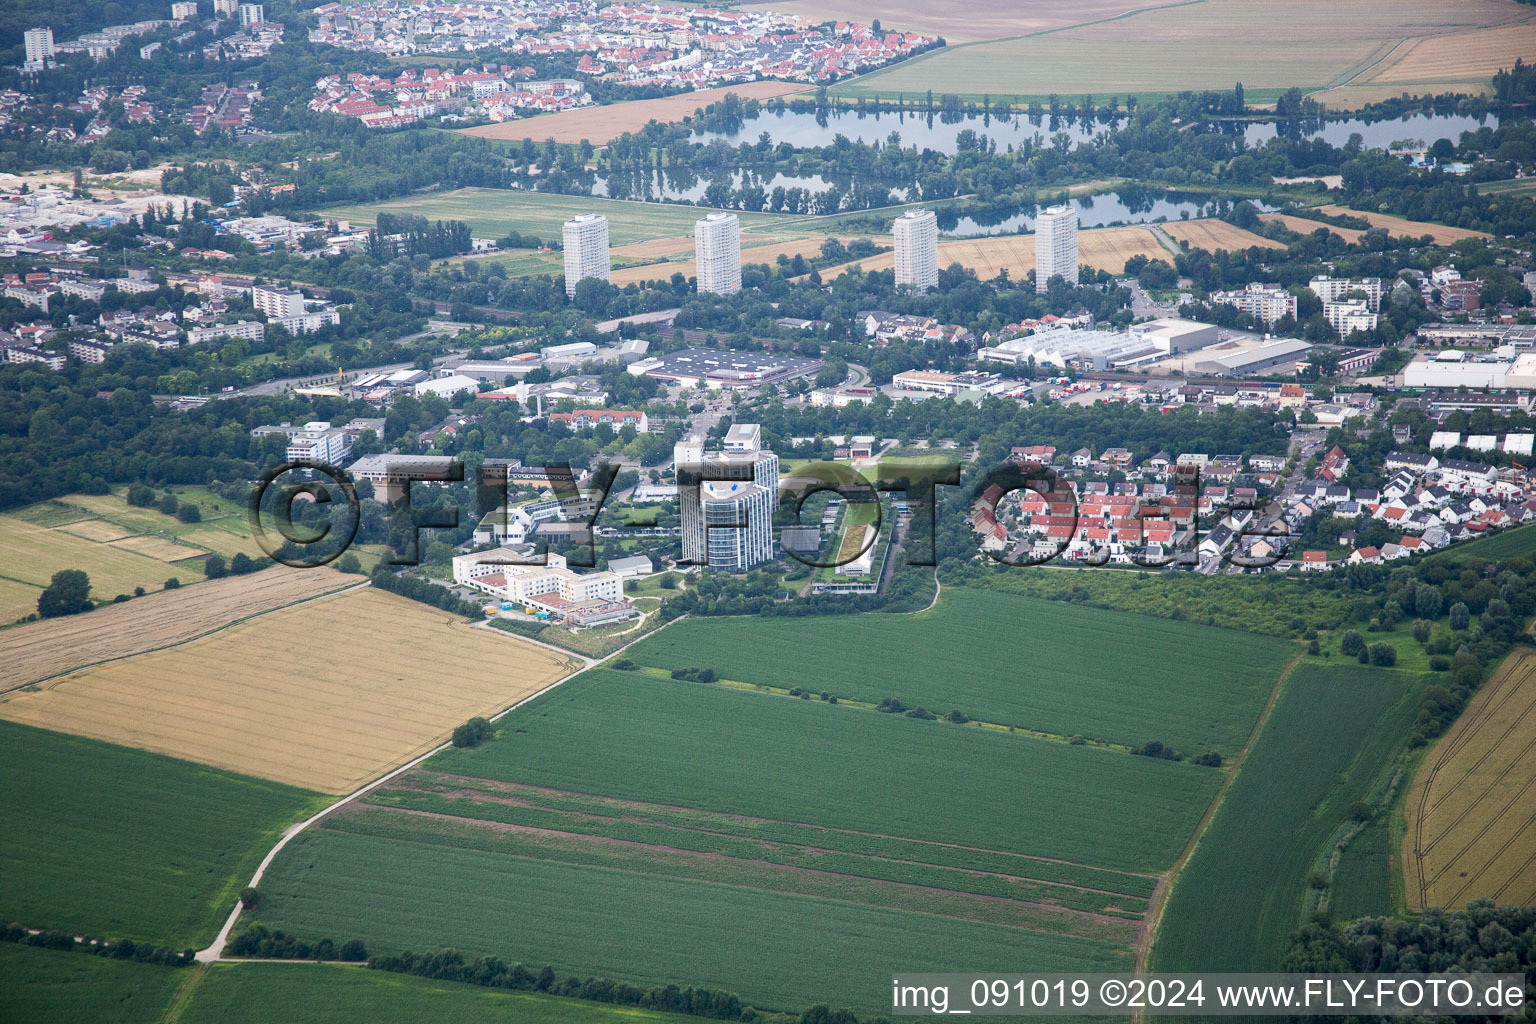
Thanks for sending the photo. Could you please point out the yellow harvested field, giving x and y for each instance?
(1471, 811)
(1211, 235)
(681, 258)
(17, 599)
(97, 530)
(50, 647)
(600, 125)
(956, 22)
(386, 680)
(1397, 226)
(1306, 227)
(1102, 248)
(1454, 58)
(159, 547)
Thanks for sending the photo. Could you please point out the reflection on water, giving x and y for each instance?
(1128, 206)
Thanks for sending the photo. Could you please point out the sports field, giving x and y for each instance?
(102, 840)
(48, 985)
(1471, 819)
(493, 212)
(377, 680)
(1211, 235)
(766, 809)
(39, 650)
(269, 993)
(600, 125)
(1101, 248)
(1332, 737)
(1268, 45)
(1016, 661)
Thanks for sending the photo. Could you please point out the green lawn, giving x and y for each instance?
(49, 985)
(336, 994)
(104, 840)
(495, 212)
(1039, 665)
(1334, 733)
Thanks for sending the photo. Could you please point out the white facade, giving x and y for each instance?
(252, 14)
(499, 574)
(319, 443)
(304, 323)
(1350, 316)
(183, 10)
(727, 513)
(1056, 246)
(586, 249)
(277, 302)
(1266, 302)
(1332, 289)
(250, 330)
(225, 8)
(717, 253)
(39, 42)
(917, 249)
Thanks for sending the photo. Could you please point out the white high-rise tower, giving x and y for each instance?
(39, 42)
(726, 499)
(1056, 246)
(586, 249)
(717, 252)
(917, 249)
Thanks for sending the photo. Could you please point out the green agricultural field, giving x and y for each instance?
(495, 212)
(49, 985)
(1362, 885)
(785, 951)
(337, 994)
(1517, 543)
(104, 840)
(1040, 665)
(844, 768)
(850, 839)
(1332, 736)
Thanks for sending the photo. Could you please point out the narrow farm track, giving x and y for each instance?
(1165, 886)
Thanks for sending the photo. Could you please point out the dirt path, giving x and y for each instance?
(1159, 901)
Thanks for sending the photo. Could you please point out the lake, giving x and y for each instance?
(1103, 210)
(941, 132)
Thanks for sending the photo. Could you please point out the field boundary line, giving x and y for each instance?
(812, 825)
(343, 589)
(214, 952)
(791, 869)
(183, 996)
(1159, 900)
